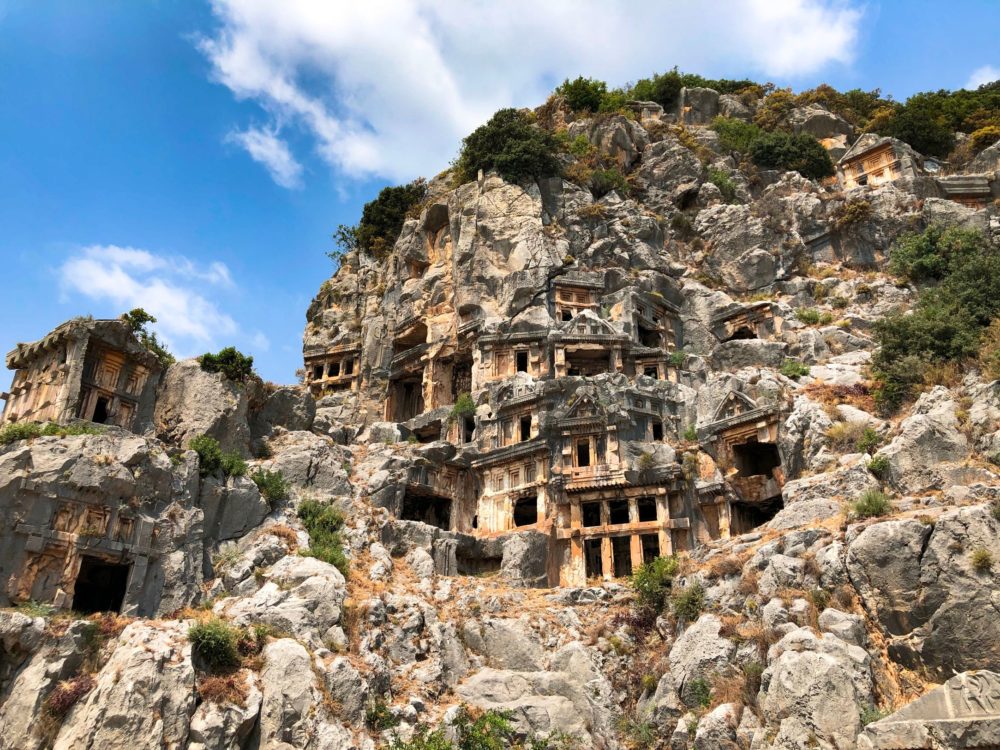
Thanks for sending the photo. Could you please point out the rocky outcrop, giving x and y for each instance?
(191, 402)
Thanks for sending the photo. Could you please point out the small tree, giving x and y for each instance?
(583, 94)
(209, 454)
(232, 363)
(512, 145)
(137, 320)
(652, 582)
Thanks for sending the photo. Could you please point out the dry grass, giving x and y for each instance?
(948, 374)
(285, 533)
(858, 395)
(722, 566)
(749, 582)
(225, 689)
(844, 436)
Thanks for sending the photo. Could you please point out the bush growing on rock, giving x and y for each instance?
(464, 406)
(583, 94)
(689, 602)
(871, 504)
(137, 320)
(323, 522)
(214, 642)
(232, 363)
(792, 368)
(67, 694)
(488, 730)
(724, 182)
(381, 222)
(510, 144)
(800, 153)
(951, 314)
(653, 580)
(879, 466)
(233, 465)
(982, 560)
(209, 454)
(30, 430)
(603, 181)
(272, 485)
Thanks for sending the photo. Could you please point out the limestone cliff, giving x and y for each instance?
(539, 390)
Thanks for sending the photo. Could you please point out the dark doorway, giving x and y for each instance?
(567, 315)
(647, 509)
(583, 453)
(334, 369)
(652, 372)
(742, 333)
(592, 556)
(522, 361)
(408, 397)
(649, 337)
(621, 550)
(618, 512)
(525, 427)
(756, 459)
(745, 517)
(657, 430)
(469, 429)
(429, 509)
(100, 586)
(650, 547)
(318, 372)
(591, 514)
(526, 511)
(101, 410)
(349, 366)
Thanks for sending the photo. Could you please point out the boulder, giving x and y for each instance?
(698, 105)
(291, 408)
(717, 729)
(814, 685)
(618, 137)
(919, 581)
(505, 643)
(144, 694)
(961, 714)
(929, 436)
(191, 402)
(696, 654)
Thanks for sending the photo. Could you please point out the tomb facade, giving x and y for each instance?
(93, 370)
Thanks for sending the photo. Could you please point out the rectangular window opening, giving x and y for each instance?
(522, 361)
(618, 512)
(591, 513)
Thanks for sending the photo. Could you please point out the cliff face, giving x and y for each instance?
(535, 393)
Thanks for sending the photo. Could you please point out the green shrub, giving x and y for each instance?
(323, 523)
(800, 153)
(209, 454)
(233, 465)
(583, 94)
(855, 211)
(691, 433)
(603, 181)
(950, 316)
(464, 406)
(868, 441)
(232, 363)
(934, 253)
(807, 315)
(995, 509)
(724, 182)
(879, 466)
(871, 714)
(214, 642)
(378, 716)
(792, 368)
(424, 738)
(510, 144)
(272, 485)
(871, 504)
(981, 559)
(31, 430)
(700, 691)
(736, 135)
(381, 220)
(689, 602)
(984, 138)
(677, 358)
(653, 580)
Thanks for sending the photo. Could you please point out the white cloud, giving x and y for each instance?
(173, 289)
(260, 341)
(266, 148)
(389, 89)
(984, 74)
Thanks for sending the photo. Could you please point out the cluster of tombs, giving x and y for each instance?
(571, 429)
(586, 471)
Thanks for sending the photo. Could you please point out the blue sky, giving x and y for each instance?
(195, 157)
